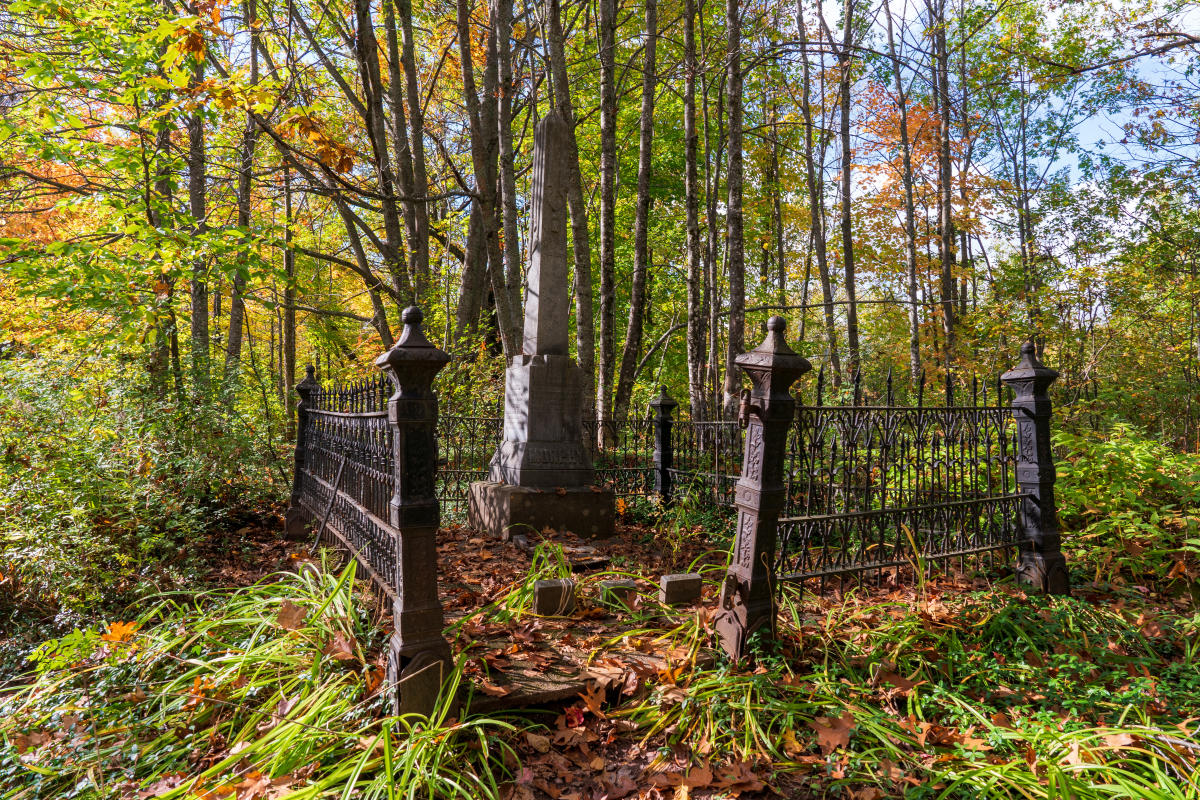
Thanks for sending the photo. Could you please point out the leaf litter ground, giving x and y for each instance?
(952, 686)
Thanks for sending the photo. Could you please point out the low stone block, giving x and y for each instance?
(554, 597)
(680, 589)
(504, 510)
(618, 594)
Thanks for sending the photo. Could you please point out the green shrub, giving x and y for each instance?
(105, 487)
(1130, 504)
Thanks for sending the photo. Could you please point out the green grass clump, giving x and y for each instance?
(269, 688)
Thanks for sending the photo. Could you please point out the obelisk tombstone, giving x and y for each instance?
(541, 474)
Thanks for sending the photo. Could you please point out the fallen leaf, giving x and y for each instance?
(538, 742)
(791, 747)
(833, 732)
(339, 648)
(593, 698)
(1118, 740)
(492, 689)
(291, 616)
(120, 631)
(26, 742)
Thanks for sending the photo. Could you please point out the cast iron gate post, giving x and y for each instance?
(1040, 560)
(663, 407)
(748, 595)
(296, 520)
(417, 643)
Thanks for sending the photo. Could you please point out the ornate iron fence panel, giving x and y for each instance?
(467, 439)
(348, 479)
(876, 486)
(625, 463)
(708, 459)
(707, 454)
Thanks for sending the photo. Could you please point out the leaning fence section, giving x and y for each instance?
(347, 478)
(877, 486)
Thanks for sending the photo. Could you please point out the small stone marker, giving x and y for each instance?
(618, 594)
(680, 589)
(554, 597)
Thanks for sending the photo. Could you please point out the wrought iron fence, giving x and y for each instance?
(871, 487)
(707, 460)
(707, 454)
(347, 478)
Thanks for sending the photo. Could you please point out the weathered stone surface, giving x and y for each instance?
(554, 597)
(543, 437)
(546, 299)
(507, 510)
(543, 444)
(618, 593)
(680, 589)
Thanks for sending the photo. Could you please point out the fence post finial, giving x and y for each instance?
(419, 656)
(748, 595)
(663, 406)
(1040, 560)
(295, 521)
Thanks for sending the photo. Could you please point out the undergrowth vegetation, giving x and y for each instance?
(935, 684)
(271, 690)
(106, 487)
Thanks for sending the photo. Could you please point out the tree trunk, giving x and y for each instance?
(910, 213)
(608, 205)
(473, 280)
(736, 341)
(288, 334)
(198, 205)
(416, 116)
(402, 152)
(503, 12)
(844, 79)
(945, 178)
(637, 296)
(237, 305)
(585, 327)
(484, 153)
(696, 289)
(816, 201)
(777, 209)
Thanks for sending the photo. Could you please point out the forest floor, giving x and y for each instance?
(930, 684)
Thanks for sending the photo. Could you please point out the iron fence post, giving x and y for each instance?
(663, 408)
(748, 600)
(418, 642)
(1040, 560)
(297, 517)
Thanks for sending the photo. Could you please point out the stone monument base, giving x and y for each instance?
(503, 510)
